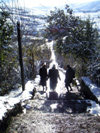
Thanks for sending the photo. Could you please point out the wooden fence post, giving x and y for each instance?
(20, 55)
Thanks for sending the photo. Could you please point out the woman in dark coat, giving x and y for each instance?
(43, 76)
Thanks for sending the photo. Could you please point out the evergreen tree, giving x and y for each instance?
(8, 64)
(73, 35)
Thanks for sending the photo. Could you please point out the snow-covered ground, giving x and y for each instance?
(8, 102)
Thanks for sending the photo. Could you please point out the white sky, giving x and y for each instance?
(42, 6)
(51, 2)
(47, 3)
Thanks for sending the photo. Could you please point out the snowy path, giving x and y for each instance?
(62, 115)
(61, 105)
(60, 112)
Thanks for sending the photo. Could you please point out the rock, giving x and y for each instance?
(6, 120)
(86, 92)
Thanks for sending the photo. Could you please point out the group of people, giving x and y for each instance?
(53, 74)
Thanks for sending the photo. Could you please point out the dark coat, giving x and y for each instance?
(43, 75)
(53, 75)
(70, 74)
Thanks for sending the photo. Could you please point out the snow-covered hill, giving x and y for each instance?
(31, 23)
(94, 16)
(88, 9)
(93, 6)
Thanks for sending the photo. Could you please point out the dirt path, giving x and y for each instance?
(46, 113)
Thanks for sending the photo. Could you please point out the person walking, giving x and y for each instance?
(43, 76)
(70, 74)
(53, 75)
